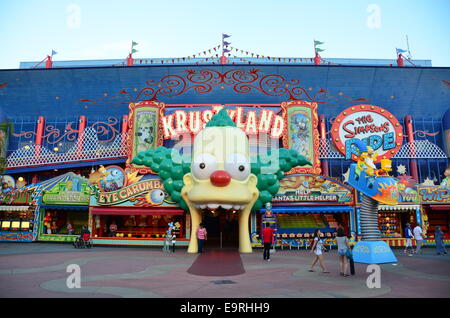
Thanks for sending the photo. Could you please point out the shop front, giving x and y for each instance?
(127, 209)
(435, 201)
(17, 216)
(64, 209)
(307, 202)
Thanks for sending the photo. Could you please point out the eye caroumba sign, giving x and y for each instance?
(374, 125)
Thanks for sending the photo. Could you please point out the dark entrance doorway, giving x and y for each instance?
(222, 227)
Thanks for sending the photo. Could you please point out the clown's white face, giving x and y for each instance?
(220, 170)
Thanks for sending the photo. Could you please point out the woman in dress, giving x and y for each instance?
(316, 249)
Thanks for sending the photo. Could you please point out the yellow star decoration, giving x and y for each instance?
(401, 169)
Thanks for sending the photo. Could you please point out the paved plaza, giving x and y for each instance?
(39, 270)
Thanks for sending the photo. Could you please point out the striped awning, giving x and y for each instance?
(14, 207)
(399, 207)
(310, 209)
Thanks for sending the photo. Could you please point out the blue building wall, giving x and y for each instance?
(102, 94)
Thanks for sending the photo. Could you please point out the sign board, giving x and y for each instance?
(374, 125)
(434, 194)
(75, 191)
(312, 189)
(17, 198)
(301, 133)
(138, 192)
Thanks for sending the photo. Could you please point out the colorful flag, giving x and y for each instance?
(318, 49)
(54, 52)
(318, 42)
(133, 43)
(224, 36)
(400, 50)
(225, 43)
(133, 51)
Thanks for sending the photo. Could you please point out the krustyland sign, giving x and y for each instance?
(374, 125)
(192, 122)
(312, 189)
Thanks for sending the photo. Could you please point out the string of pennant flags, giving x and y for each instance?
(214, 54)
(202, 54)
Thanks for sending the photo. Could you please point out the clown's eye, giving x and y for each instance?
(238, 166)
(203, 166)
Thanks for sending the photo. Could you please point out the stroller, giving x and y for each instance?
(82, 241)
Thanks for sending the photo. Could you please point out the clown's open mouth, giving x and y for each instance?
(225, 206)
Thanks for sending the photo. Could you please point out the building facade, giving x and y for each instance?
(70, 133)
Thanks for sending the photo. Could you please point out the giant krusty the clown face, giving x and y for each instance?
(220, 174)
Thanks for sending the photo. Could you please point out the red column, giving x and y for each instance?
(39, 133)
(81, 127)
(129, 60)
(223, 59)
(323, 138)
(410, 135)
(400, 62)
(317, 59)
(48, 62)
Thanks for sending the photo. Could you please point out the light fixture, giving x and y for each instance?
(56, 149)
(20, 179)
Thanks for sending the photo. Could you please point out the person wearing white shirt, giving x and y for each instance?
(418, 236)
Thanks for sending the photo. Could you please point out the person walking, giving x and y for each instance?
(267, 235)
(439, 238)
(202, 236)
(418, 236)
(316, 248)
(343, 247)
(408, 236)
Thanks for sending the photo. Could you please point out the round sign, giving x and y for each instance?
(114, 178)
(374, 125)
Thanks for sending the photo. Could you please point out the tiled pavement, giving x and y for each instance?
(39, 270)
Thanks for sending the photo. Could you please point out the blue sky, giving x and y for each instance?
(103, 29)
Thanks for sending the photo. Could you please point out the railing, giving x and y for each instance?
(86, 148)
(418, 149)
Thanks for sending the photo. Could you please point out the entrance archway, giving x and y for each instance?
(222, 227)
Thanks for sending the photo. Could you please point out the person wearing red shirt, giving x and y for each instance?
(267, 235)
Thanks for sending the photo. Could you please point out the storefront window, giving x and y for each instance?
(64, 222)
(135, 226)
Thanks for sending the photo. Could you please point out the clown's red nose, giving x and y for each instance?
(220, 178)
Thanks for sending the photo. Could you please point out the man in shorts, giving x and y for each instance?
(408, 236)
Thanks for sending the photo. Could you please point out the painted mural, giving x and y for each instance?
(309, 188)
